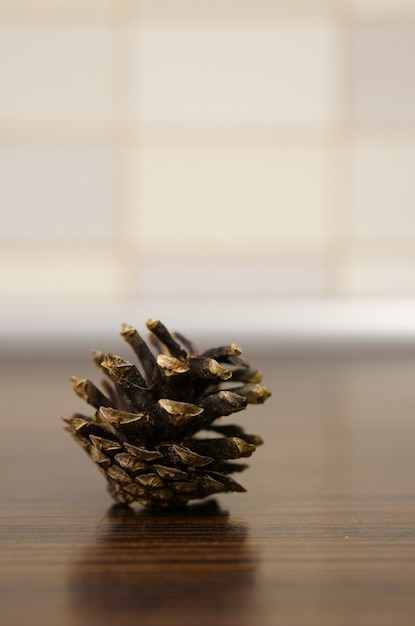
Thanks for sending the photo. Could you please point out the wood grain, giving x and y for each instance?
(324, 535)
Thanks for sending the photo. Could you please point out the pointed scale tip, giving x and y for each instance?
(152, 322)
(254, 393)
(189, 457)
(235, 350)
(117, 418)
(126, 329)
(80, 387)
(97, 357)
(76, 381)
(217, 370)
(170, 365)
(179, 412)
(244, 448)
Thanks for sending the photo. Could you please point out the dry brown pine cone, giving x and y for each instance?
(143, 436)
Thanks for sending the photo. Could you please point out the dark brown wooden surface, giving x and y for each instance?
(325, 534)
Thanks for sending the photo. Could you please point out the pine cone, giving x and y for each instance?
(143, 434)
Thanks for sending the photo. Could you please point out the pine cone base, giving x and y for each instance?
(154, 434)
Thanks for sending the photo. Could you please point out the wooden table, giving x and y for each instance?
(325, 534)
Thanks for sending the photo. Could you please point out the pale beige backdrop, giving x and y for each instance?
(202, 148)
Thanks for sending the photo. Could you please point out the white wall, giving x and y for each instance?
(203, 148)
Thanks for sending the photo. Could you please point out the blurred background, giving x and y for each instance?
(231, 166)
